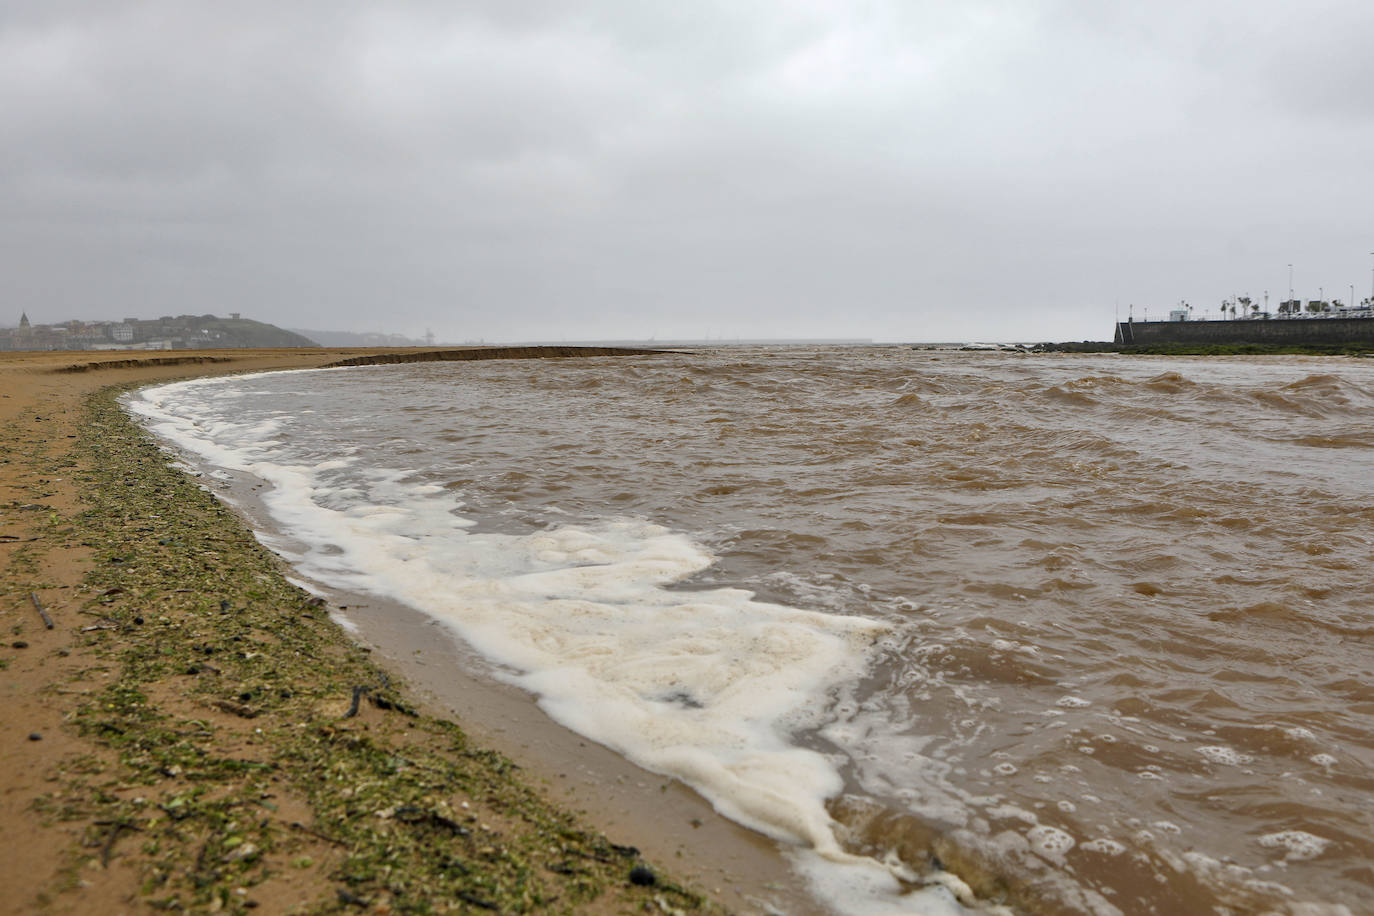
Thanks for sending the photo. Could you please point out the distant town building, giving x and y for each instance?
(166, 333)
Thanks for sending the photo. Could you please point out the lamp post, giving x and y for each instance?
(1290, 284)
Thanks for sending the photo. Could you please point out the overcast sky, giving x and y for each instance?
(507, 170)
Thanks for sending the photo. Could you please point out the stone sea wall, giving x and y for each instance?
(1291, 331)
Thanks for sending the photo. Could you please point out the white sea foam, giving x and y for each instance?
(870, 889)
(1050, 842)
(1225, 756)
(1298, 844)
(1103, 845)
(706, 686)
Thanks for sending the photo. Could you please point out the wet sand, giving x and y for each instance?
(69, 865)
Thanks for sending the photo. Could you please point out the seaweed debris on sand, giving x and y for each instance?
(203, 738)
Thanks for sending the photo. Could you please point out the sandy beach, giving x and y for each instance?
(193, 733)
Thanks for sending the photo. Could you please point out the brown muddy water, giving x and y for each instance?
(1087, 633)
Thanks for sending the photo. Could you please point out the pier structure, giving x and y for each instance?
(1318, 332)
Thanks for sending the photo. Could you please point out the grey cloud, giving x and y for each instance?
(524, 170)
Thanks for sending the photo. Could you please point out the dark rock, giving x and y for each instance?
(34, 736)
(642, 876)
(347, 896)
(19, 644)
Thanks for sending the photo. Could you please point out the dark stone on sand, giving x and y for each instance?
(642, 876)
(19, 644)
(138, 620)
(34, 736)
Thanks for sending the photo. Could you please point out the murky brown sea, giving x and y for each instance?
(1133, 665)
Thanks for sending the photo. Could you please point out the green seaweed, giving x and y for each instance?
(223, 697)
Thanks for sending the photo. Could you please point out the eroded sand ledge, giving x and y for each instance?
(188, 707)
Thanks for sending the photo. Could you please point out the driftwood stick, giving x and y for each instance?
(115, 828)
(358, 692)
(315, 833)
(38, 606)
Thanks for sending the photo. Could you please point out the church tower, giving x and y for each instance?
(23, 320)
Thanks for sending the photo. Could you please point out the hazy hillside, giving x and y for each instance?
(176, 332)
(245, 332)
(351, 339)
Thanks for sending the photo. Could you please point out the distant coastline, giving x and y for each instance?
(170, 332)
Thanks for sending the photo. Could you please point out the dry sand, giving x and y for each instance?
(42, 398)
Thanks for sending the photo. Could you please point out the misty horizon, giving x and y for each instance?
(984, 171)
